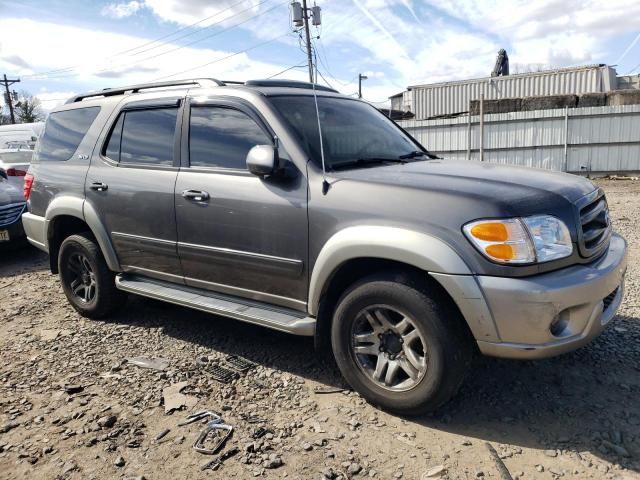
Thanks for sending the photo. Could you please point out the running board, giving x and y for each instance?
(270, 316)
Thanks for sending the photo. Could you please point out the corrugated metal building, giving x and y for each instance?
(449, 98)
(596, 140)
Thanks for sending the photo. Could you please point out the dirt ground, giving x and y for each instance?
(71, 406)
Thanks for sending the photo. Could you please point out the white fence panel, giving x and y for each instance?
(594, 139)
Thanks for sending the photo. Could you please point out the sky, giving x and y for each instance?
(61, 47)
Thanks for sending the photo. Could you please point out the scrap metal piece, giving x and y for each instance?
(159, 363)
(219, 460)
(221, 374)
(260, 432)
(320, 389)
(162, 434)
(218, 432)
(239, 364)
(500, 466)
(201, 415)
(252, 418)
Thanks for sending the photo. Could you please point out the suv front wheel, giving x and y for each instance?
(86, 279)
(400, 344)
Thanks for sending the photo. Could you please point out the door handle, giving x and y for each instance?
(197, 195)
(99, 186)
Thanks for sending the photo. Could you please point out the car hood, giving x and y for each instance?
(9, 194)
(484, 181)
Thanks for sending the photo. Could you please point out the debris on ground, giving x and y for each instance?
(150, 363)
(175, 400)
(503, 471)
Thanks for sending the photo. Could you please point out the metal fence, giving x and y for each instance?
(598, 140)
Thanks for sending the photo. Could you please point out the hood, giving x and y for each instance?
(9, 194)
(494, 183)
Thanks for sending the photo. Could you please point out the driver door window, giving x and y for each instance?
(221, 137)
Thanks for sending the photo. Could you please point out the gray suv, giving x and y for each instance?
(293, 207)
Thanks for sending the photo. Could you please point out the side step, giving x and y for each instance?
(277, 318)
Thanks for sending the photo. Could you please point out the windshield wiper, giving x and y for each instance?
(367, 161)
(419, 153)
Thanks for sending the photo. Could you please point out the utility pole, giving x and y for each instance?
(360, 78)
(301, 16)
(6, 82)
(305, 14)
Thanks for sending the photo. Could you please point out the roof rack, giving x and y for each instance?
(288, 84)
(108, 92)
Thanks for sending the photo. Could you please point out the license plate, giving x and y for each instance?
(4, 235)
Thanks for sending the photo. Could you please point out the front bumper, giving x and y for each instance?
(553, 313)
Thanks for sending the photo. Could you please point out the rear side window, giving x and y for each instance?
(222, 137)
(143, 137)
(63, 133)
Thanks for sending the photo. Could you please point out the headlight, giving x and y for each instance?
(540, 238)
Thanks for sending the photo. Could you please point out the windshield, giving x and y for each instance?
(23, 156)
(351, 130)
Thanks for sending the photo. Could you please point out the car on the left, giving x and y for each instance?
(15, 162)
(12, 204)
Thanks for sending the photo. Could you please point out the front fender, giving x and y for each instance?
(420, 250)
(390, 243)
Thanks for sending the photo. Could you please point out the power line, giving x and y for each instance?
(189, 26)
(122, 52)
(214, 24)
(287, 69)
(633, 69)
(224, 58)
(139, 61)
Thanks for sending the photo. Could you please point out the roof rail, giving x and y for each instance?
(107, 92)
(288, 84)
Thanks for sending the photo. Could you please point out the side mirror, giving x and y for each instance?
(3, 174)
(262, 160)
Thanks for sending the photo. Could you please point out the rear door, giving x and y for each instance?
(237, 233)
(131, 183)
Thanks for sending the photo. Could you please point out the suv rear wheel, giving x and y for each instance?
(86, 280)
(400, 344)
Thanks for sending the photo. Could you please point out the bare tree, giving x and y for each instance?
(28, 109)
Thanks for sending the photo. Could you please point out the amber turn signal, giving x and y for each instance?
(490, 232)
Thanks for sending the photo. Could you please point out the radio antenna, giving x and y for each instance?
(325, 183)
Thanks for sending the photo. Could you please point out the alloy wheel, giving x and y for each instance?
(82, 279)
(388, 348)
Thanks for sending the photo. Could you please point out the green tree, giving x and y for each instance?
(28, 109)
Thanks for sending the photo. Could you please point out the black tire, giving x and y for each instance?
(448, 341)
(106, 298)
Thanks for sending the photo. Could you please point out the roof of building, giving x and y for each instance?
(526, 74)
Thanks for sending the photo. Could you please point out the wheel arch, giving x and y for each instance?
(69, 215)
(356, 252)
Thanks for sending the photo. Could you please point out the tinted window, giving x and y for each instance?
(64, 132)
(351, 129)
(222, 137)
(113, 147)
(148, 136)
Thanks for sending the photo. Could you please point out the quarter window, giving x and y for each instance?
(143, 137)
(221, 137)
(63, 133)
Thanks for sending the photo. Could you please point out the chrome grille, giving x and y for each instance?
(10, 213)
(595, 224)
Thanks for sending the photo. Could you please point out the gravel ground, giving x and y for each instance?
(71, 406)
